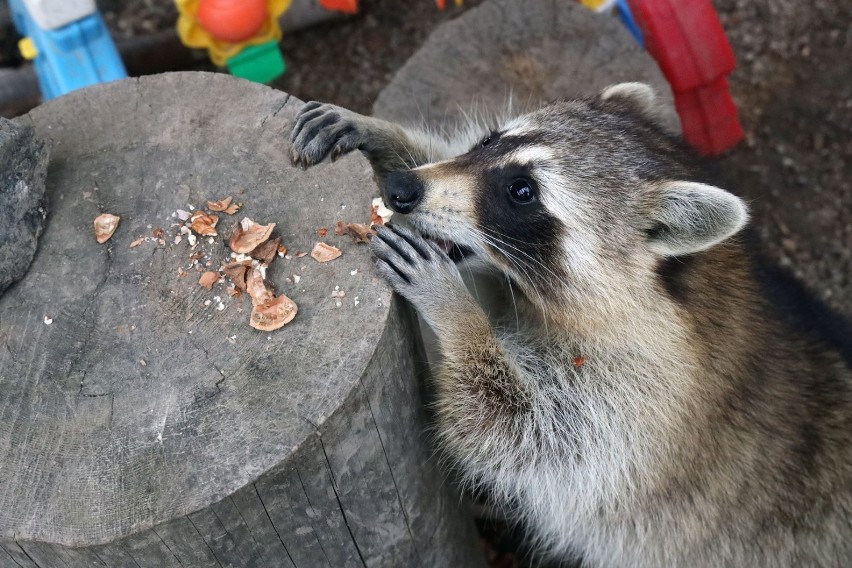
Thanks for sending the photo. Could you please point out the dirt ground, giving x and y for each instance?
(793, 87)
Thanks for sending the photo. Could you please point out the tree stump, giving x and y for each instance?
(140, 424)
(520, 54)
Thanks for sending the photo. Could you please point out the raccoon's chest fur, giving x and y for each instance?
(671, 441)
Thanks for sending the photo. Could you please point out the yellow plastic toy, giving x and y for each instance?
(221, 47)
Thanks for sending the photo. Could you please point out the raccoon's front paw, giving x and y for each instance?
(417, 269)
(322, 129)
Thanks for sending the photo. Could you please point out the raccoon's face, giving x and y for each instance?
(581, 195)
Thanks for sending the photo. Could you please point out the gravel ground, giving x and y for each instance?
(794, 91)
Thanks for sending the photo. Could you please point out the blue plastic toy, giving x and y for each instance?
(629, 22)
(77, 54)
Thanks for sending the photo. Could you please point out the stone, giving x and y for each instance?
(23, 206)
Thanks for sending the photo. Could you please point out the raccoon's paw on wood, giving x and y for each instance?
(416, 268)
(322, 130)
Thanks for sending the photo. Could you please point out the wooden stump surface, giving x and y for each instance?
(520, 54)
(144, 426)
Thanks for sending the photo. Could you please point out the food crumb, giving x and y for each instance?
(324, 252)
(248, 235)
(137, 242)
(143, 363)
(353, 272)
(379, 212)
(105, 226)
(48, 320)
(208, 279)
(204, 224)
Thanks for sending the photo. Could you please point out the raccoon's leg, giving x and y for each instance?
(479, 383)
(324, 129)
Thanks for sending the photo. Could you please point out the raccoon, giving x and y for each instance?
(653, 400)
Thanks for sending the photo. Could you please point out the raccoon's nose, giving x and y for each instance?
(403, 191)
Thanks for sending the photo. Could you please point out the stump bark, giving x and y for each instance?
(23, 168)
(144, 426)
(507, 57)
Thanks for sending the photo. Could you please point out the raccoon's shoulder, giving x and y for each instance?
(797, 307)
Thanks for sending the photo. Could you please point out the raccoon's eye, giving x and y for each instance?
(487, 140)
(522, 190)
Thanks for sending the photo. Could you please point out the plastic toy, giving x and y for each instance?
(347, 6)
(626, 15)
(240, 34)
(68, 43)
(443, 3)
(624, 12)
(690, 46)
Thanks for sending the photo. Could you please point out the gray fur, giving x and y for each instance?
(645, 403)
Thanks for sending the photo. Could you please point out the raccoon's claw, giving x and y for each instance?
(320, 130)
(416, 268)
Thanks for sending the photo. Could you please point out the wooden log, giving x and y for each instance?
(506, 54)
(144, 427)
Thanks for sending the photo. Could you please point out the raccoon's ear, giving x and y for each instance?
(687, 217)
(636, 97)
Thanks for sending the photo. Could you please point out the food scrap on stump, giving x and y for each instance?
(266, 251)
(324, 252)
(204, 224)
(224, 206)
(237, 272)
(208, 279)
(105, 226)
(248, 235)
(271, 315)
(269, 312)
(379, 212)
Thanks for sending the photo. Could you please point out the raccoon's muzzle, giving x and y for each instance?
(402, 191)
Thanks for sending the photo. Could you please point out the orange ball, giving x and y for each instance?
(232, 20)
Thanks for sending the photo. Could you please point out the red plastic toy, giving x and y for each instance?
(688, 42)
(232, 21)
(346, 6)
